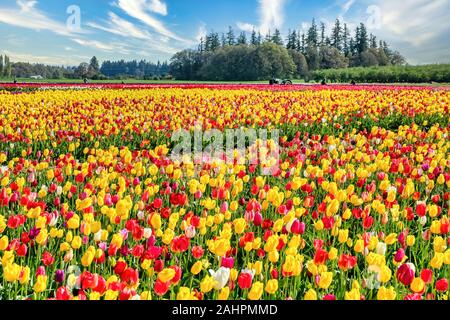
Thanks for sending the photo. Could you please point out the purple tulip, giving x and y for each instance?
(59, 276)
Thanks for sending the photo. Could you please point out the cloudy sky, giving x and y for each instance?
(71, 31)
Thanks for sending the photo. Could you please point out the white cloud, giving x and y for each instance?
(108, 47)
(25, 5)
(138, 9)
(44, 59)
(347, 6)
(158, 6)
(121, 27)
(271, 17)
(26, 15)
(414, 21)
(419, 29)
(247, 27)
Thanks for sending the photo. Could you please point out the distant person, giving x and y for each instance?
(353, 83)
(15, 81)
(324, 83)
(85, 80)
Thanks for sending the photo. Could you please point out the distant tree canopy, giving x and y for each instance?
(394, 74)
(27, 70)
(225, 57)
(133, 69)
(91, 70)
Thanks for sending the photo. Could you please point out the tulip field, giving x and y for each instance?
(93, 207)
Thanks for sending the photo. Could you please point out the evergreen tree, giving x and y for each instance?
(294, 40)
(345, 40)
(312, 39)
(268, 37)
(289, 42)
(352, 47)
(254, 38)
(259, 39)
(336, 36)
(362, 40)
(303, 44)
(1, 65)
(94, 65)
(212, 42)
(277, 39)
(242, 39)
(223, 41)
(322, 34)
(230, 39)
(7, 67)
(201, 46)
(338, 49)
(373, 41)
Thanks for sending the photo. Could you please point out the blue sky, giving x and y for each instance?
(52, 31)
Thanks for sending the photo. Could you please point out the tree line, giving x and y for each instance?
(121, 69)
(90, 70)
(394, 74)
(137, 69)
(257, 57)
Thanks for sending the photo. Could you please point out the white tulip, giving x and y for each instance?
(221, 276)
(147, 233)
(381, 248)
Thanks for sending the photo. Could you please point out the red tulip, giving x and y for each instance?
(180, 244)
(159, 265)
(22, 250)
(320, 257)
(130, 276)
(368, 222)
(197, 252)
(227, 262)
(88, 280)
(161, 288)
(442, 285)
(47, 259)
(245, 280)
(101, 285)
(157, 203)
(421, 209)
(405, 274)
(274, 274)
(62, 294)
(427, 275)
(120, 267)
(347, 262)
(414, 296)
